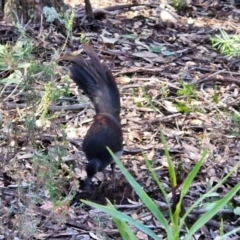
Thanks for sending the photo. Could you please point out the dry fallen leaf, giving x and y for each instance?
(145, 54)
(141, 236)
(170, 106)
(151, 154)
(123, 79)
(109, 40)
(135, 135)
(137, 24)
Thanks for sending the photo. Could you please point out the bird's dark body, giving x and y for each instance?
(98, 83)
(105, 131)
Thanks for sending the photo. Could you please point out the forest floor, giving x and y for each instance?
(170, 79)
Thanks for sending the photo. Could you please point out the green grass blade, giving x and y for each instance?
(188, 181)
(160, 186)
(124, 229)
(171, 168)
(155, 178)
(187, 184)
(123, 217)
(209, 214)
(153, 208)
(225, 236)
(206, 195)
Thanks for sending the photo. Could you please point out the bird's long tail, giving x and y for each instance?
(96, 80)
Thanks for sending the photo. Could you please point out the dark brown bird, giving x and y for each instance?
(98, 83)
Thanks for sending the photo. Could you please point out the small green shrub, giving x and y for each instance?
(178, 217)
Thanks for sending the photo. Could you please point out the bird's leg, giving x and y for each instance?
(113, 174)
(87, 184)
(89, 11)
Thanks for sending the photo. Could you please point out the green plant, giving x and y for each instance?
(122, 226)
(235, 118)
(83, 38)
(51, 14)
(164, 91)
(228, 45)
(187, 90)
(178, 217)
(149, 102)
(16, 59)
(68, 22)
(183, 107)
(47, 169)
(66, 18)
(142, 98)
(51, 94)
(179, 4)
(215, 95)
(15, 63)
(30, 122)
(50, 174)
(65, 89)
(28, 83)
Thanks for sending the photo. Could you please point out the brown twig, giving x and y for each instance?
(7, 106)
(217, 77)
(156, 120)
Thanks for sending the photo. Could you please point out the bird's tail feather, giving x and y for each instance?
(96, 80)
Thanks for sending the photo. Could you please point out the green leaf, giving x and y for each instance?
(130, 36)
(1, 118)
(209, 206)
(15, 77)
(3, 66)
(156, 179)
(211, 213)
(125, 231)
(225, 236)
(190, 177)
(167, 53)
(171, 169)
(159, 184)
(206, 195)
(148, 202)
(2, 49)
(24, 65)
(156, 48)
(237, 211)
(123, 217)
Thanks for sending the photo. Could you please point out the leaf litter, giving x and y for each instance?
(152, 52)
